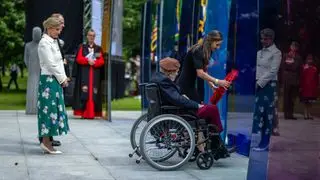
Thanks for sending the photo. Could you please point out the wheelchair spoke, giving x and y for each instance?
(166, 142)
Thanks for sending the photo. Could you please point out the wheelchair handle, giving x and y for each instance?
(143, 84)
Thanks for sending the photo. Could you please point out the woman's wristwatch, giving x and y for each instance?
(216, 81)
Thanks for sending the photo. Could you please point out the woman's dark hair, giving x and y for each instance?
(205, 44)
(309, 54)
(91, 30)
(295, 43)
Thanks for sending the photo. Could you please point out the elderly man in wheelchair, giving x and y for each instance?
(177, 125)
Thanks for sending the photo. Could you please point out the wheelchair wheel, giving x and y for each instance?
(205, 160)
(164, 139)
(135, 133)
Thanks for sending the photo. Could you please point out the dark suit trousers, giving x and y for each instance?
(290, 92)
(211, 114)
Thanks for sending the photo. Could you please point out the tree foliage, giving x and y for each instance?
(12, 24)
(132, 27)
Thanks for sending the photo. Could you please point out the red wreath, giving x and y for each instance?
(218, 93)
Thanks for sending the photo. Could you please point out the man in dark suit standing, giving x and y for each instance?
(290, 69)
(61, 44)
(170, 95)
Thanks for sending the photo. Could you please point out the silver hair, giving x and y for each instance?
(170, 74)
(268, 33)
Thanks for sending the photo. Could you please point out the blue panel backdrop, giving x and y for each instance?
(246, 50)
(168, 28)
(218, 18)
(186, 25)
(145, 50)
(247, 31)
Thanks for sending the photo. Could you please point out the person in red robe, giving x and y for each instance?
(309, 83)
(88, 74)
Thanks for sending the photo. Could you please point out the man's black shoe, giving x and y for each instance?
(56, 143)
(232, 150)
(221, 152)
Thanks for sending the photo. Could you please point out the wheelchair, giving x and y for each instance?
(167, 137)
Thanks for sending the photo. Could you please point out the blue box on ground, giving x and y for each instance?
(243, 144)
(232, 139)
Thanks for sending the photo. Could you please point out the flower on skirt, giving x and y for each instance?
(261, 108)
(53, 117)
(61, 124)
(44, 129)
(49, 79)
(60, 108)
(45, 109)
(45, 93)
(267, 131)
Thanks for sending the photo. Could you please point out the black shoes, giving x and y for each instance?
(290, 118)
(222, 152)
(56, 143)
(275, 132)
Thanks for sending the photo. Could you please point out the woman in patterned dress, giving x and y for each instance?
(52, 116)
(264, 115)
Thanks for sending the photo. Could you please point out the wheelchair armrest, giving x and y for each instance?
(170, 108)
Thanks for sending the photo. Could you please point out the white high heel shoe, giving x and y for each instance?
(46, 150)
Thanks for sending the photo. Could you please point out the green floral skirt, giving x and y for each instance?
(52, 116)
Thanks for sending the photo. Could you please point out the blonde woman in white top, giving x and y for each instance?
(52, 116)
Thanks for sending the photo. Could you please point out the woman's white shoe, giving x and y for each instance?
(46, 150)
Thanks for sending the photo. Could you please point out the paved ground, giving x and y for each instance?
(98, 149)
(94, 150)
(295, 155)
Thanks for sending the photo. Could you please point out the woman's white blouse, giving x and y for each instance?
(51, 59)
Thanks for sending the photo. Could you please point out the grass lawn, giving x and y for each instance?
(13, 99)
(16, 99)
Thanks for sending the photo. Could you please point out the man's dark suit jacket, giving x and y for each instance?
(291, 72)
(170, 92)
